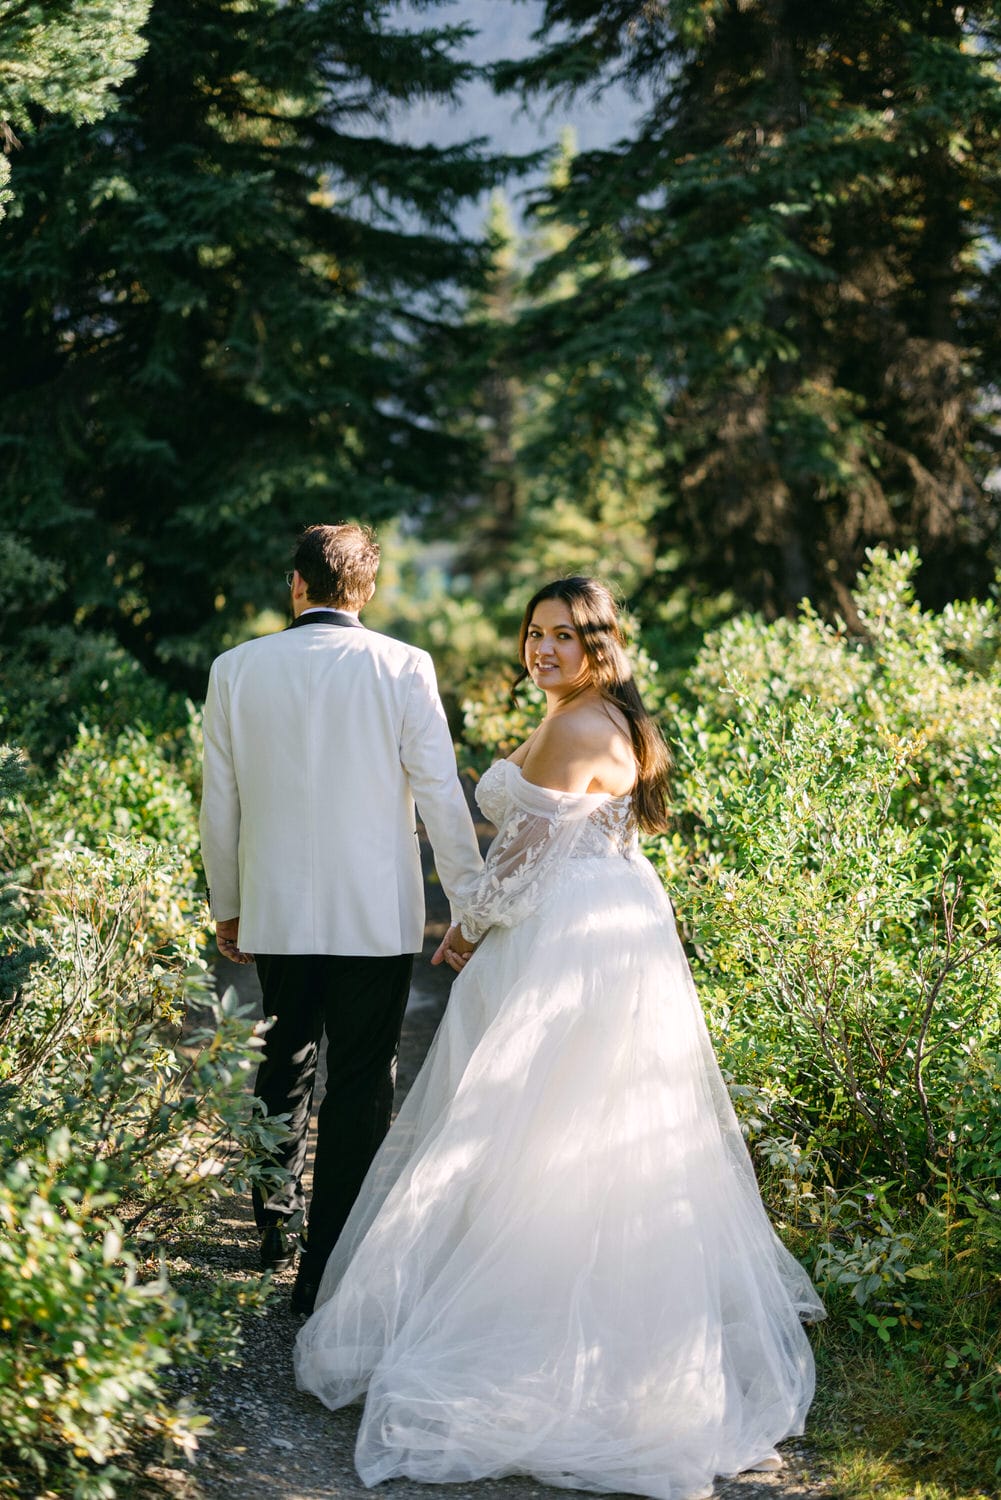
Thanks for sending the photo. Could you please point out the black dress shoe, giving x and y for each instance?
(277, 1250)
(304, 1292)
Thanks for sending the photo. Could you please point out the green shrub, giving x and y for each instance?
(837, 948)
(119, 1121)
(53, 678)
(837, 866)
(56, 678)
(928, 682)
(837, 858)
(16, 956)
(85, 1337)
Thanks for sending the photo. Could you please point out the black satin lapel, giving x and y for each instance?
(326, 617)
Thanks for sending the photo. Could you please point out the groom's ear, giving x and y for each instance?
(300, 590)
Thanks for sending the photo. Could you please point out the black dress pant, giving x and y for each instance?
(360, 1002)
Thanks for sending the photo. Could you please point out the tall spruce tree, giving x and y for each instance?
(810, 215)
(226, 312)
(582, 504)
(62, 57)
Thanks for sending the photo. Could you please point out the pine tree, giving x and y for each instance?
(487, 399)
(62, 57)
(535, 511)
(807, 211)
(227, 312)
(545, 508)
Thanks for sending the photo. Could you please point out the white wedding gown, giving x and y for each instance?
(559, 1263)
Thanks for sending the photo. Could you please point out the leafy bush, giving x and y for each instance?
(105, 848)
(837, 864)
(16, 957)
(56, 678)
(129, 783)
(117, 1119)
(837, 857)
(84, 1336)
(836, 944)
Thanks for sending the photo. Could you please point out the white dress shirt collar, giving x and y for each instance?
(326, 609)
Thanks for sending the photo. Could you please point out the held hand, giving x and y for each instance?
(454, 950)
(226, 936)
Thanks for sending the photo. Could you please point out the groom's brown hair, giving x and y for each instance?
(338, 564)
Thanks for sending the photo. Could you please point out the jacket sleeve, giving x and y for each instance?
(428, 757)
(219, 821)
(538, 835)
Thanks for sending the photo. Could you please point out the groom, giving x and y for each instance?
(317, 742)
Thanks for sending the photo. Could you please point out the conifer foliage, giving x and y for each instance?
(225, 310)
(62, 57)
(810, 217)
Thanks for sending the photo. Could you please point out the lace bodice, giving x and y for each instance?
(538, 829)
(610, 824)
(609, 831)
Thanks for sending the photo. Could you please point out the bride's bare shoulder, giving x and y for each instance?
(582, 749)
(519, 756)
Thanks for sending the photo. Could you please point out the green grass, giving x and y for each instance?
(891, 1427)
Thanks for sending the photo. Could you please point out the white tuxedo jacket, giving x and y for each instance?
(317, 742)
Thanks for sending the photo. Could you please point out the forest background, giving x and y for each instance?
(742, 362)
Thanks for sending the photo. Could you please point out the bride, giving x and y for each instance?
(559, 1264)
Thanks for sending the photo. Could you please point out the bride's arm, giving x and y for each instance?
(538, 835)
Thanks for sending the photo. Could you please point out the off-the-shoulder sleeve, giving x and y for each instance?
(539, 833)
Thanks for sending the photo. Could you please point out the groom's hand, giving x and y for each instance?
(227, 941)
(454, 950)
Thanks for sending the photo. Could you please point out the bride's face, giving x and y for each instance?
(554, 656)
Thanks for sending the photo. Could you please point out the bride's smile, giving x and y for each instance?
(555, 658)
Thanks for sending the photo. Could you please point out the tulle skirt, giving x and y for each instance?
(559, 1264)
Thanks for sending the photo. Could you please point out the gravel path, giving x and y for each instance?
(271, 1442)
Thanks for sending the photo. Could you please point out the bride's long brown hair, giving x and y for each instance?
(595, 617)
